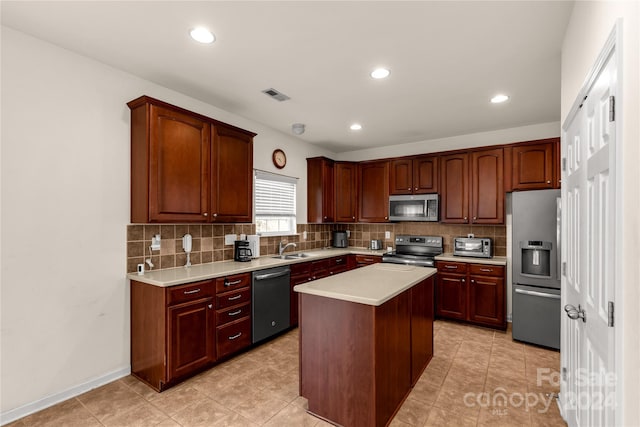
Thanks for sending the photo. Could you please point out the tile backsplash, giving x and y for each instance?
(208, 239)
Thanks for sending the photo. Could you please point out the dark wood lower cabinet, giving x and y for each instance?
(471, 292)
(359, 375)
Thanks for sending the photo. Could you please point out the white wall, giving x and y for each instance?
(589, 27)
(480, 139)
(65, 207)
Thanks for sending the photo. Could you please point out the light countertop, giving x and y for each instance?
(374, 284)
(496, 260)
(182, 275)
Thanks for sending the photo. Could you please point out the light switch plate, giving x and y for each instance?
(230, 238)
(348, 233)
(387, 234)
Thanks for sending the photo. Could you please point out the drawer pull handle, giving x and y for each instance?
(487, 269)
(195, 291)
(235, 282)
(452, 267)
(367, 259)
(339, 261)
(235, 313)
(236, 336)
(235, 297)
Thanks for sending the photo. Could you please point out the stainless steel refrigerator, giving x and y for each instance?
(535, 243)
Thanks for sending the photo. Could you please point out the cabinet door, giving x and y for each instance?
(232, 175)
(320, 190)
(454, 184)
(451, 296)
(191, 337)
(532, 166)
(178, 167)
(401, 176)
(486, 300)
(373, 185)
(487, 187)
(425, 175)
(421, 327)
(346, 195)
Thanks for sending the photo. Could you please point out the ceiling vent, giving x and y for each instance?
(279, 96)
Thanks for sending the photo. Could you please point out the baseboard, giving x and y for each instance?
(38, 405)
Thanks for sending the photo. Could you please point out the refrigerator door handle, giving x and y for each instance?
(537, 294)
(558, 237)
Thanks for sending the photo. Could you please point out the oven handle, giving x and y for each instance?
(537, 294)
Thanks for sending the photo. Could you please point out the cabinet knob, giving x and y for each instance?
(353, 217)
(205, 214)
(548, 182)
(325, 217)
(409, 189)
(386, 217)
(473, 281)
(462, 280)
(210, 306)
(465, 218)
(215, 215)
(416, 188)
(475, 217)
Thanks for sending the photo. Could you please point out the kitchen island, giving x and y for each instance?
(365, 337)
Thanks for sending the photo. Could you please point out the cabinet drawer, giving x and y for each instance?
(367, 259)
(189, 292)
(338, 261)
(452, 267)
(233, 336)
(235, 297)
(321, 264)
(300, 269)
(232, 314)
(486, 270)
(224, 284)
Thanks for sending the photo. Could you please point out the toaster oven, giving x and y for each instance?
(472, 247)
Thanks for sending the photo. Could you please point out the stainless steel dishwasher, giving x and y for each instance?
(270, 302)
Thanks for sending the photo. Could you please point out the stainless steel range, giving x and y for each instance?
(415, 250)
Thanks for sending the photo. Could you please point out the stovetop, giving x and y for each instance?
(415, 250)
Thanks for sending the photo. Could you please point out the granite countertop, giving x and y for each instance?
(182, 275)
(374, 284)
(496, 260)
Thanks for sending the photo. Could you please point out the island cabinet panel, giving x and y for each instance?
(360, 374)
(186, 167)
(346, 194)
(373, 188)
(320, 190)
(359, 260)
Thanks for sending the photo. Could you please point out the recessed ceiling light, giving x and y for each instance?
(499, 98)
(355, 126)
(202, 35)
(380, 73)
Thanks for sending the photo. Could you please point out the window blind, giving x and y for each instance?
(275, 203)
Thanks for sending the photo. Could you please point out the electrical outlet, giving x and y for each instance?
(348, 234)
(230, 238)
(155, 243)
(471, 235)
(304, 235)
(387, 234)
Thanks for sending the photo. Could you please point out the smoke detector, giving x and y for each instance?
(277, 95)
(297, 128)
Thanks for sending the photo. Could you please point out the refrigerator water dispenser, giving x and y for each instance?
(536, 258)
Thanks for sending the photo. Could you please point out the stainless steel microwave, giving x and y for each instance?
(420, 207)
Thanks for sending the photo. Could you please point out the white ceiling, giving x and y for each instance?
(446, 60)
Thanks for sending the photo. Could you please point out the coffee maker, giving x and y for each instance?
(241, 251)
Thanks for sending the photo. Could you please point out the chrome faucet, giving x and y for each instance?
(282, 248)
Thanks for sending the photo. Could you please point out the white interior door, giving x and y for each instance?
(587, 338)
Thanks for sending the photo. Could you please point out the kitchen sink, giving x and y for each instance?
(292, 256)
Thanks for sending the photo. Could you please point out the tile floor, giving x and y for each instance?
(477, 377)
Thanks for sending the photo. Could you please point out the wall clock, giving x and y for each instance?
(279, 158)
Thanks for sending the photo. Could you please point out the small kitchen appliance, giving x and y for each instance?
(241, 251)
(187, 241)
(340, 239)
(254, 245)
(376, 244)
(472, 247)
(415, 250)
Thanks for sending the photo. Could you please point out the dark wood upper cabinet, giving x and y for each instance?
(186, 167)
(320, 190)
(346, 194)
(454, 182)
(535, 165)
(232, 178)
(487, 187)
(373, 187)
(413, 175)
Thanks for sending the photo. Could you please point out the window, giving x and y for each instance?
(275, 204)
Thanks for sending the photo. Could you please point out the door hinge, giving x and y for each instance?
(564, 268)
(612, 108)
(611, 314)
(564, 164)
(564, 373)
(582, 103)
